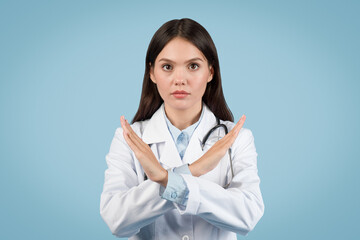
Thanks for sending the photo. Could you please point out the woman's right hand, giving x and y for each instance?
(212, 157)
(143, 153)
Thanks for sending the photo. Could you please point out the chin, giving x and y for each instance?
(181, 105)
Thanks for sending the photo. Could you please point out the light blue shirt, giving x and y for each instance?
(182, 138)
(176, 189)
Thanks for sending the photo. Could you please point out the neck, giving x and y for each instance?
(183, 118)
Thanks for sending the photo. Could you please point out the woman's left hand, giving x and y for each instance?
(143, 153)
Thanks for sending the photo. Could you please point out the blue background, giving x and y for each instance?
(70, 69)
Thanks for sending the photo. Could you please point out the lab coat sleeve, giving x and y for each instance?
(125, 205)
(238, 208)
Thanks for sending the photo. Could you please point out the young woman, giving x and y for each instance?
(163, 181)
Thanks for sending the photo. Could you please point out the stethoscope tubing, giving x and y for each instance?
(203, 142)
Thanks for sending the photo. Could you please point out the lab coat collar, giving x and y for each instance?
(156, 131)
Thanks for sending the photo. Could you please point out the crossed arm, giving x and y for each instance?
(241, 205)
(157, 173)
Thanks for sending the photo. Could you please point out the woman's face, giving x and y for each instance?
(181, 73)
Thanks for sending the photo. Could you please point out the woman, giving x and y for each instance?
(161, 183)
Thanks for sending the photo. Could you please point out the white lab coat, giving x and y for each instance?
(133, 208)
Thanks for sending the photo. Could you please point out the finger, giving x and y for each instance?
(128, 135)
(134, 136)
(236, 128)
(123, 124)
(229, 139)
(127, 128)
(141, 150)
(132, 144)
(240, 123)
(139, 147)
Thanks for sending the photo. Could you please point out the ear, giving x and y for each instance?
(211, 75)
(152, 76)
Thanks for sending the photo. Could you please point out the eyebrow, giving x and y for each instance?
(190, 60)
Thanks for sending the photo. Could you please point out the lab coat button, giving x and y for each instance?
(185, 237)
(173, 195)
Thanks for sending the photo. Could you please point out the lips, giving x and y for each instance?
(180, 94)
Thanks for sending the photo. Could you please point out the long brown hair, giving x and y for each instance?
(192, 31)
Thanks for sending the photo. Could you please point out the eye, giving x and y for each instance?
(167, 67)
(194, 66)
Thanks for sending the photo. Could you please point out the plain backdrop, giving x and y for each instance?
(70, 69)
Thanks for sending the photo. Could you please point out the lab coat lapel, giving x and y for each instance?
(194, 150)
(156, 132)
(170, 156)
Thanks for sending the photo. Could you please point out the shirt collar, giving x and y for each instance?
(175, 132)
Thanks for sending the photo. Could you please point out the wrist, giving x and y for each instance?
(195, 169)
(164, 178)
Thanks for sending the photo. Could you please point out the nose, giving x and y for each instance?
(179, 77)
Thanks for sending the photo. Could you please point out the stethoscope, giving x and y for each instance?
(203, 142)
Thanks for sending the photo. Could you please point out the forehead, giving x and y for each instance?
(180, 49)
